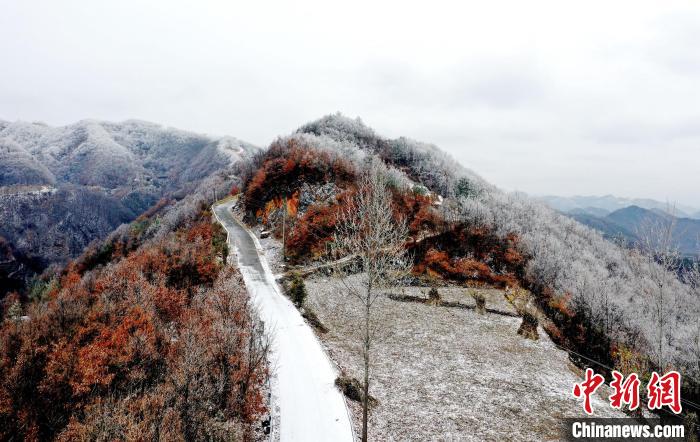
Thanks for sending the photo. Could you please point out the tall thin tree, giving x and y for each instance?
(368, 230)
(661, 262)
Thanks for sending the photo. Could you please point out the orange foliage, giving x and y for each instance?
(562, 304)
(293, 204)
(270, 206)
(123, 351)
(315, 228)
(418, 211)
(460, 269)
(110, 335)
(287, 165)
(153, 210)
(472, 255)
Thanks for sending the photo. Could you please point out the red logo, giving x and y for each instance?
(626, 391)
(586, 388)
(661, 390)
(665, 390)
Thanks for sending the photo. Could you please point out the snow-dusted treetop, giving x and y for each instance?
(109, 155)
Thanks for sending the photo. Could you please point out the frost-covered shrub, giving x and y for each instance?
(528, 328)
(480, 301)
(343, 130)
(434, 297)
(352, 389)
(297, 290)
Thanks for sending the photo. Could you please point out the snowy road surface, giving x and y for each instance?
(307, 405)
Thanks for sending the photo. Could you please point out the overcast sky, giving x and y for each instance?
(555, 97)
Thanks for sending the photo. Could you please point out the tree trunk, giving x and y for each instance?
(365, 399)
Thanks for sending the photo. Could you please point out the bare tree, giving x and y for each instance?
(368, 230)
(660, 259)
(691, 277)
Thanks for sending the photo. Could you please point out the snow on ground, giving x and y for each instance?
(235, 149)
(449, 373)
(307, 405)
(272, 248)
(28, 190)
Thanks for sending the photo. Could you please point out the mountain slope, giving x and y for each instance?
(594, 211)
(610, 229)
(63, 187)
(686, 231)
(596, 296)
(146, 336)
(20, 167)
(114, 155)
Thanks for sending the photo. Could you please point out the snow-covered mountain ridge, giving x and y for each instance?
(101, 174)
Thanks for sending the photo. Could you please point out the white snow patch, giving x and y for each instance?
(451, 374)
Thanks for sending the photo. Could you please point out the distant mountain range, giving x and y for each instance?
(63, 187)
(604, 205)
(627, 219)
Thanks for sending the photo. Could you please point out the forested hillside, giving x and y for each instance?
(63, 187)
(146, 336)
(616, 306)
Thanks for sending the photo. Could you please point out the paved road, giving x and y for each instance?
(308, 406)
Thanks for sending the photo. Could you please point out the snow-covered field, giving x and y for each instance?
(450, 374)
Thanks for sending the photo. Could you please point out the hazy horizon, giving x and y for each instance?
(544, 97)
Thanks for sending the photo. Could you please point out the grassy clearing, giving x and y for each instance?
(450, 373)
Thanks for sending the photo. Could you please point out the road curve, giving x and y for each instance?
(307, 405)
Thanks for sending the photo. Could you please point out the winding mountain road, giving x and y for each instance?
(306, 404)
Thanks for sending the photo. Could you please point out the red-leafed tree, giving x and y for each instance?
(159, 342)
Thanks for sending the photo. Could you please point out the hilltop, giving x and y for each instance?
(592, 296)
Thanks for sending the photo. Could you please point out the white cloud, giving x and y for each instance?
(542, 96)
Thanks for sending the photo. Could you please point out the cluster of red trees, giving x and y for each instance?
(418, 211)
(158, 343)
(315, 228)
(288, 164)
(470, 255)
(312, 230)
(460, 253)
